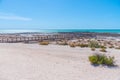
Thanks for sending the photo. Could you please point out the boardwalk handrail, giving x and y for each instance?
(16, 39)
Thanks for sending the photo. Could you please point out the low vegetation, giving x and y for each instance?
(62, 43)
(103, 50)
(44, 43)
(99, 59)
(72, 45)
(111, 46)
(94, 44)
(103, 47)
(83, 45)
(93, 49)
(117, 47)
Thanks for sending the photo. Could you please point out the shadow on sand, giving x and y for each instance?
(112, 66)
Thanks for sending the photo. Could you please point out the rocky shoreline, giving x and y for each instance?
(35, 36)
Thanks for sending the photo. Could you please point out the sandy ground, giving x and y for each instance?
(53, 62)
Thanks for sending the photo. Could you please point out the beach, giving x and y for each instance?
(20, 61)
(59, 39)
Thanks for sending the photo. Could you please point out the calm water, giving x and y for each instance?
(63, 30)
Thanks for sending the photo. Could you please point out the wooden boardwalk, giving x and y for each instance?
(17, 39)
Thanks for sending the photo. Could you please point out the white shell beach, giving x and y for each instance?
(59, 39)
(20, 61)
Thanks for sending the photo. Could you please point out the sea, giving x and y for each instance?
(60, 30)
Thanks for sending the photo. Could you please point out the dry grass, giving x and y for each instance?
(72, 45)
(111, 46)
(83, 45)
(117, 47)
(44, 43)
(93, 49)
(103, 50)
(62, 42)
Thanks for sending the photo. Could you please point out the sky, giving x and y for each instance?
(59, 14)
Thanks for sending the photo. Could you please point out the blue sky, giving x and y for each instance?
(59, 14)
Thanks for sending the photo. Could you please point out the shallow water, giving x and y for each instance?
(61, 30)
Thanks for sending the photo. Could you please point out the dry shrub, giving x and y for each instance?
(94, 44)
(72, 45)
(83, 45)
(103, 50)
(117, 47)
(62, 43)
(93, 49)
(44, 43)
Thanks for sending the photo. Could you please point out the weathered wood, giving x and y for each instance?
(34, 38)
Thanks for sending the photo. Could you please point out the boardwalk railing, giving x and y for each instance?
(16, 39)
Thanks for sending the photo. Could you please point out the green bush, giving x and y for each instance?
(110, 61)
(98, 59)
(94, 44)
(93, 59)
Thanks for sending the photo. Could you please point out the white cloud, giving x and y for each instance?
(15, 18)
(6, 16)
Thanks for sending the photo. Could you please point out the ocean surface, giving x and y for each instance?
(62, 30)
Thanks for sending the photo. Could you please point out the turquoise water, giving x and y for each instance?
(63, 30)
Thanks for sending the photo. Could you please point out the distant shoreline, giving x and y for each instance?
(115, 31)
(14, 36)
(39, 36)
